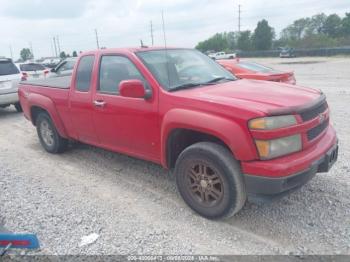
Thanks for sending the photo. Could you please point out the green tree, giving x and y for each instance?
(263, 36)
(218, 42)
(244, 41)
(26, 54)
(63, 55)
(345, 24)
(333, 26)
(75, 54)
(231, 40)
(297, 30)
(316, 24)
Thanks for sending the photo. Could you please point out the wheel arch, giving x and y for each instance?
(183, 128)
(38, 104)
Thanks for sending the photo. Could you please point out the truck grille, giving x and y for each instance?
(316, 131)
(314, 112)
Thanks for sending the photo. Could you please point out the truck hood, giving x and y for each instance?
(263, 96)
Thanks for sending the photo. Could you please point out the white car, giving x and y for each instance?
(222, 55)
(10, 76)
(32, 71)
(64, 68)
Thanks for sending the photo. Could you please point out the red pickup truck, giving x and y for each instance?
(225, 138)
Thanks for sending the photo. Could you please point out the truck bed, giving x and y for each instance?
(62, 82)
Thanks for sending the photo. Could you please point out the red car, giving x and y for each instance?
(251, 70)
(226, 140)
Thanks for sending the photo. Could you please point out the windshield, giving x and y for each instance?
(256, 67)
(31, 67)
(174, 68)
(8, 68)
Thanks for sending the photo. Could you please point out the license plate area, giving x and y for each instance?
(330, 158)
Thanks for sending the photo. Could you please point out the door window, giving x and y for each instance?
(113, 70)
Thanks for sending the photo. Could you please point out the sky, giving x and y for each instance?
(123, 23)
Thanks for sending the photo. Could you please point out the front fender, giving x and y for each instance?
(234, 135)
(44, 102)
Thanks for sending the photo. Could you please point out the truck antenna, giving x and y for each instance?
(166, 50)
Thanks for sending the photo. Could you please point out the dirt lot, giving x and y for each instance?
(134, 207)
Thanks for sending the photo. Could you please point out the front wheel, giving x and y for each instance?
(209, 180)
(49, 138)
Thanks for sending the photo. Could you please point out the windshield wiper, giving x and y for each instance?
(217, 79)
(191, 85)
(184, 86)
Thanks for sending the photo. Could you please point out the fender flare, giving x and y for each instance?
(45, 103)
(238, 140)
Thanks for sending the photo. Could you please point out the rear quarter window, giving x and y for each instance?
(8, 68)
(31, 67)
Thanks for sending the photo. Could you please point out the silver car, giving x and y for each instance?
(64, 68)
(10, 76)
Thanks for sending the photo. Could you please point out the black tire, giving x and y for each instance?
(220, 165)
(18, 107)
(49, 138)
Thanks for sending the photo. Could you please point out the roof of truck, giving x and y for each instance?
(130, 50)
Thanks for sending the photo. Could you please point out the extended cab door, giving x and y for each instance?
(80, 101)
(128, 125)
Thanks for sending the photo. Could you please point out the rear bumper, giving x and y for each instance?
(282, 185)
(9, 98)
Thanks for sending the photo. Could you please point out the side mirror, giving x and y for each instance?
(134, 89)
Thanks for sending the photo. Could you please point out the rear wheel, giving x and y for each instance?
(48, 135)
(210, 181)
(18, 107)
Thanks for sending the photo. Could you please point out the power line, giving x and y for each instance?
(152, 36)
(97, 41)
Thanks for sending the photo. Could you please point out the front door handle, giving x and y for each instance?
(99, 103)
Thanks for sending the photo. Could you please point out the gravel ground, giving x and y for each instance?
(135, 209)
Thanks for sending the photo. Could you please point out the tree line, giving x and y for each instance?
(26, 54)
(312, 32)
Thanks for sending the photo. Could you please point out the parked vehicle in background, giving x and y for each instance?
(64, 68)
(222, 55)
(225, 139)
(10, 76)
(251, 70)
(33, 71)
(51, 62)
(287, 53)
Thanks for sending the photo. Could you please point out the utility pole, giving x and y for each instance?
(239, 18)
(11, 52)
(152, 37)
(31, 49)
(97, 41)
(58, 46)
(54, 43)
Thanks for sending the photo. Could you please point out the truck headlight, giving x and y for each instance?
(269, 149)
(273, 122)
